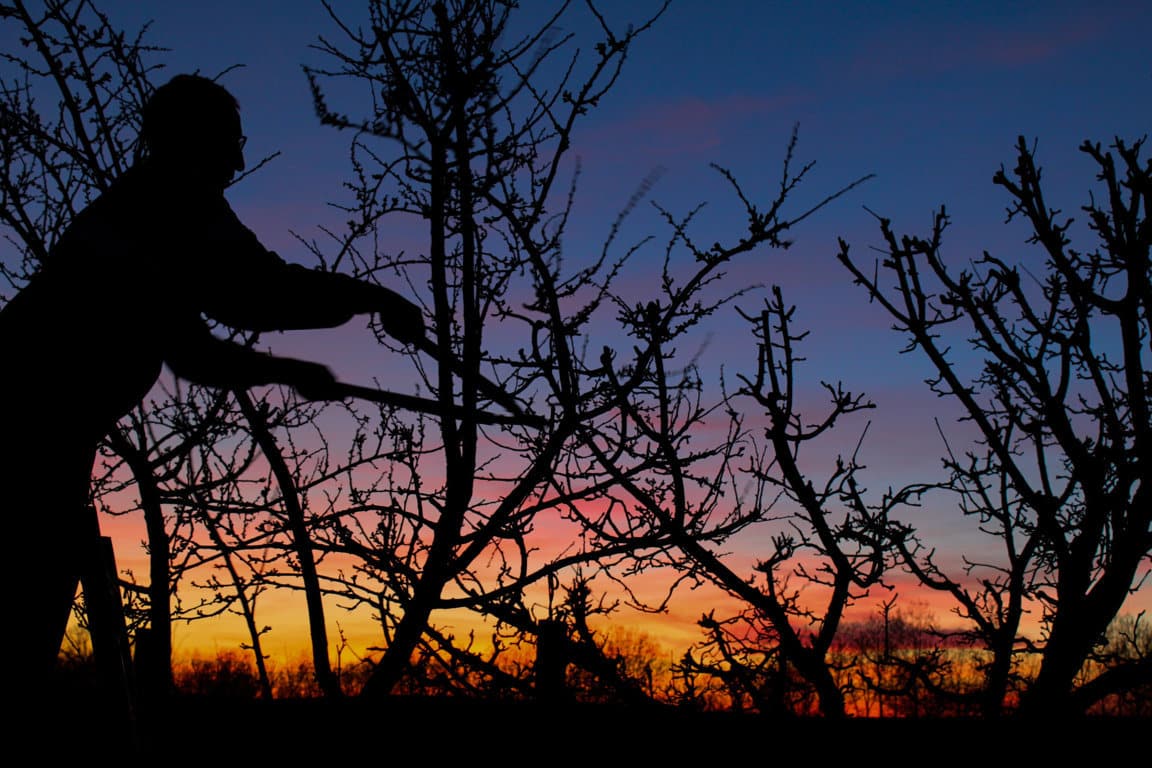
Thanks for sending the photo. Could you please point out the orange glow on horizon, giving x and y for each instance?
(355, 633)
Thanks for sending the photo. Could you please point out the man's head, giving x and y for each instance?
(191, 126)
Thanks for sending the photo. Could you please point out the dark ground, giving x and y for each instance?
(218, 732)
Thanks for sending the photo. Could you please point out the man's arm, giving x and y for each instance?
(247, 286)
(197, 355)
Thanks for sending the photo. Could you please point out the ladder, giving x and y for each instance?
(110, 647)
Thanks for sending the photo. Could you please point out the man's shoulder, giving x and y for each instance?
(130, 192)
(146, 184)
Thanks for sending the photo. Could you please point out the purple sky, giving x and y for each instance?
(929, 96)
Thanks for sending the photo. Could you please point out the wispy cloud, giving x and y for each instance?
(683, 128)
(987, 43)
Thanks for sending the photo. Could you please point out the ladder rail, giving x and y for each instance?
(100, 584)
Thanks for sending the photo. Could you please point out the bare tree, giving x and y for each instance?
(1060, 403)
(474, 144)
(465, 134)
(1123, 654)
(907, 667)
(640, 479)
(95, 79)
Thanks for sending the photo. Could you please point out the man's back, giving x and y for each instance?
(87, 337)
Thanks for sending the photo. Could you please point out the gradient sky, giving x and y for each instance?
(929, 96)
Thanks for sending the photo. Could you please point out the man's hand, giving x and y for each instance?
(313, 381)
(402, 320)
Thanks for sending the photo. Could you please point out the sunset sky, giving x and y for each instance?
(928, 96)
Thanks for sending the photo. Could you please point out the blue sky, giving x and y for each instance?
(928, 96)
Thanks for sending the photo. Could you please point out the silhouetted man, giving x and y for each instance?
(125, 291)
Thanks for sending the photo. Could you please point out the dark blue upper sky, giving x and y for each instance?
(929, 96)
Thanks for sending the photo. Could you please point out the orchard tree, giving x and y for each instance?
(464, 134)
(1059, 473)
(679, 501)
(467, 135)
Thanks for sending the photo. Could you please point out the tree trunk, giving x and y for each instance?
(325, 677)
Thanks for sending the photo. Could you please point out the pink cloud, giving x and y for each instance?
(979, 45)
(673, 129)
